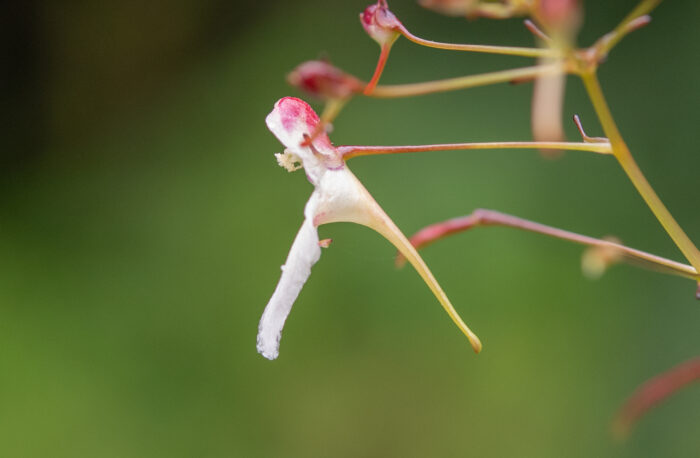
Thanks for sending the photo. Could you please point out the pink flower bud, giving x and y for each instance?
(380, 23)
(321, 79)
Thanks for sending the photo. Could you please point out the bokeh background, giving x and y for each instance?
(143, 220)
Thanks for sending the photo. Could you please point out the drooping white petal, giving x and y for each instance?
(305, 252)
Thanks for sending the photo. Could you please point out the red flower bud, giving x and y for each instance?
(321, 79)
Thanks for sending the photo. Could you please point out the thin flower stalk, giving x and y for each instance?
(635, 19)
(608, 41)
(351, 151)
(465, 82)
(489, 49)
(487, 218)
(634, 173)
(379, 69)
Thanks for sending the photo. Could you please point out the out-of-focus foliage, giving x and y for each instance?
(143, 220)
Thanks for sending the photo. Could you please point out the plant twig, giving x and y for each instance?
(464, 82)
(634, 173)
(483, 218)
(350, 151)
(490, 49)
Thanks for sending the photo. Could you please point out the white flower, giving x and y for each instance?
(338, 197)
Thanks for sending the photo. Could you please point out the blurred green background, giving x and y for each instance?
(143, 220)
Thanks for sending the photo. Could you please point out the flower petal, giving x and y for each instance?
(342, 198)
(305, 252)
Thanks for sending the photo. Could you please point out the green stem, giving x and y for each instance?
(632, 21)
(506, 50)
(644, 7)
(624, 157)
(464, 82)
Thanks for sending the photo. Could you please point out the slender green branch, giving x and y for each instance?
(634, 20)
(490, 49)
(644, 7)
(464, 82)
(634, 173)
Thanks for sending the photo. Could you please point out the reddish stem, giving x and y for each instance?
(481, 218)
(383, 57)
(653, 392)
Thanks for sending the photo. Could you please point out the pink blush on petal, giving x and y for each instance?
(292, 110)
(297, 117)
(368, 14)
(289, 109)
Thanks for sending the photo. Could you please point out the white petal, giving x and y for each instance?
(305, 252)
(342, 198)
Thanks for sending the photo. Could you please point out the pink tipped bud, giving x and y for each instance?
(560, 15)
(380, 23)
(321, 79)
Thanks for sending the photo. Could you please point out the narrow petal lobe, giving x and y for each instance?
(305, 252)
